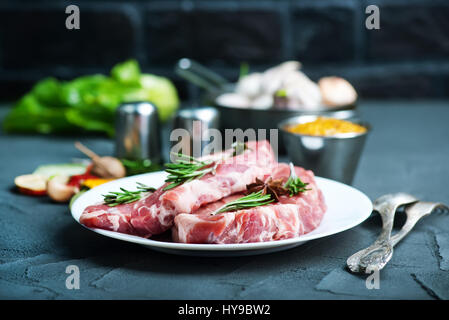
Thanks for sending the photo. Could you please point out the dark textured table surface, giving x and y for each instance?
(408, 150)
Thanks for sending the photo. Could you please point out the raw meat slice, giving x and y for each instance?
(155, 213)
(291, 217)
(232, 175)
(105, 217)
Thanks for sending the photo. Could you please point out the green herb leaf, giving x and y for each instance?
(134, 167)
(252, 200)
(113, 199)
(294, 183)
(187, 168)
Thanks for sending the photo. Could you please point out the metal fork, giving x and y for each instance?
(381, 251)
(414, 213)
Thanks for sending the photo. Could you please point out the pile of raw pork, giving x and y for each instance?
(186, 209)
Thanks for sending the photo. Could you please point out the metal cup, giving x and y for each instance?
(196, 122)
(137, 132)
(334, 157)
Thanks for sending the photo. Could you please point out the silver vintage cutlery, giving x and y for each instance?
(415, 212)
(380, 252)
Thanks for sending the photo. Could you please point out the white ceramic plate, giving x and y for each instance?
(347, 207)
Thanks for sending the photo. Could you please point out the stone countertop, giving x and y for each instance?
(407, 150)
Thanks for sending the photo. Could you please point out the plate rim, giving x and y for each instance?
(221, 247)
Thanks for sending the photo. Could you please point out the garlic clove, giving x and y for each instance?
(58, 190)
(233, 100)
(250, 85)
(109, 168)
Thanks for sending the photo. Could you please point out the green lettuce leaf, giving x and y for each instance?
(89, 102)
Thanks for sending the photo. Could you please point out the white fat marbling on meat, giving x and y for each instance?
(214, 188)
(115, 221)
(189, 222)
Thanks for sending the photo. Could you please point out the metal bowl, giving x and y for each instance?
(334, 157)
(245, 118)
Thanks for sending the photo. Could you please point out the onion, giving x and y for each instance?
(337, 91)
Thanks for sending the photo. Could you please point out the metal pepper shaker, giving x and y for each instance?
(196, 121)
(137, 132)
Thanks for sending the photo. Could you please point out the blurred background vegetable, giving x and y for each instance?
(89, 102)
(140, 166)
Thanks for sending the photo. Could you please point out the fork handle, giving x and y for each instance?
(387, 214)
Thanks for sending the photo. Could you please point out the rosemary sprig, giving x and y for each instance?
(268, 192)
(187, 168)
(277, 188)
(252, 200)
(113, 199)
(294, 184)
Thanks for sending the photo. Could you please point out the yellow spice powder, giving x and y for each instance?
(326, 127)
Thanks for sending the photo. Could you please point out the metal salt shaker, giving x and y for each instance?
(137, 132)
(197, 122)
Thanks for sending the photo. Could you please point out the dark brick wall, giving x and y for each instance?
(407, 58)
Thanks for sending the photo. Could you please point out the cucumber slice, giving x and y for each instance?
(63, 169)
